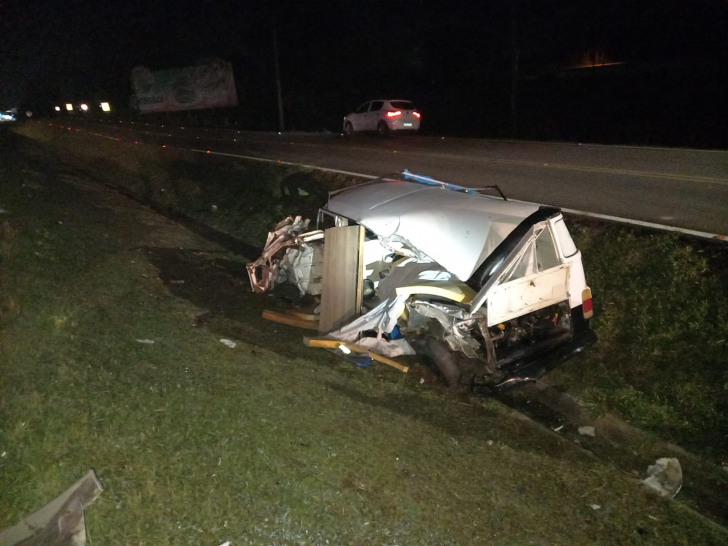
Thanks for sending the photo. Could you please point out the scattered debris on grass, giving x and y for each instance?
(587, 431)
(229, 343)
(60, 522)
(328, 343)
(646, 282)
(146, 341)
(665, 477)
(291, 319)
(264, 272)
(378, 419)
(362, 360)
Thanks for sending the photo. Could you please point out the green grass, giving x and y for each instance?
(250, 196)
(267, 443)
(661, 313)
(661, 300)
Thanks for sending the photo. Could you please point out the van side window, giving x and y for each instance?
(546, 251)
(538, 256)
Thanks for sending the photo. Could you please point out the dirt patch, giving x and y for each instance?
(217, 283)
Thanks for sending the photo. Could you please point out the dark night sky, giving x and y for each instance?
(337, 54)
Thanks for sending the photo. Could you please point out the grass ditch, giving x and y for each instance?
(661, 313)
(661, 299)
(266, 443)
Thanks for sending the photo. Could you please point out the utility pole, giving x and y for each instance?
(281, 125)
(514, 66)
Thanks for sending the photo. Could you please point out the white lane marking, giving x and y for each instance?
(280, 162)
(652, 225)
(521, 163)
(536, 164)
(703, 234)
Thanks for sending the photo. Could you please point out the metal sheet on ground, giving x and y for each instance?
(60, 522)
(341, 277)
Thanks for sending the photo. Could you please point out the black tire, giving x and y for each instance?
(445, 361)
(348, 129)
(382, 129)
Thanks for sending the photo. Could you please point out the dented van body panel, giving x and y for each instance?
(491, 290)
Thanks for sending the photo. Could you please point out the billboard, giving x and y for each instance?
(206, 85)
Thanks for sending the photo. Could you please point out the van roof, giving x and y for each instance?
(455, 228)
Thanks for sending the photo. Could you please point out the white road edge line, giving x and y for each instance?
(663, 227)
(652, 225)
(641, 223)
(279, 162)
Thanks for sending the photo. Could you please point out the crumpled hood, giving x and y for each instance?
(457, 230)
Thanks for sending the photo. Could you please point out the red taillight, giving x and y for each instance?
(394, 113)
(586, 305)
(417, 115)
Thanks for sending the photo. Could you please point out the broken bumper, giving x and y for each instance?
(530, 371)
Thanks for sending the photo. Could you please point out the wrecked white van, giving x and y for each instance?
(492, 291)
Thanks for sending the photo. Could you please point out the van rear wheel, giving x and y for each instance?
(445, 361)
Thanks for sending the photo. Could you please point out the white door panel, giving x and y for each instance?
(372, 120)
(521, 296)
(355, 120)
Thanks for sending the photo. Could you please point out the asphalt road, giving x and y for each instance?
(676, 187)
